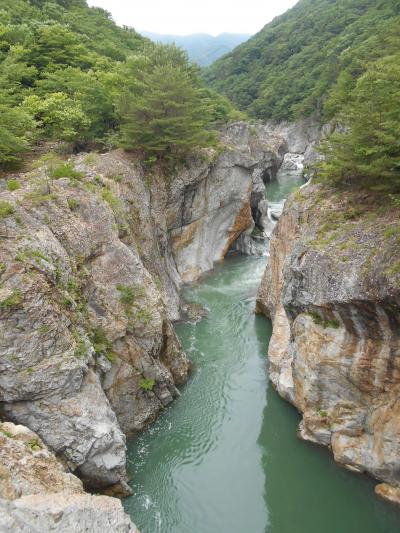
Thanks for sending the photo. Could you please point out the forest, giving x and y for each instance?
(68, 73)
(334, 59)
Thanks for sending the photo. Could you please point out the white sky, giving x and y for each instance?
(181, 17)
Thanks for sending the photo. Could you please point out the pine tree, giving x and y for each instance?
(368, 151)
(165, 111)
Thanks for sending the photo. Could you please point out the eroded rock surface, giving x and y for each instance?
(93, 252)
(332, 288)
(208, 211)
(39, 494)
(28, 467)
(60, 513)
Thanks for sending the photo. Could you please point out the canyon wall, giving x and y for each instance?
(332, 289)
(93, 253)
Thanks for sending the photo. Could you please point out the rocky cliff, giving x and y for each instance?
(38, 494)
(332, 288)
(93, 252)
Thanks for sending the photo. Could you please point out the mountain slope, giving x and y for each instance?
(202, 48)
(287, 69)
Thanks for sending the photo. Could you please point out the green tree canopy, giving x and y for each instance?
(288, 69)
(165, 110)
(368, 152)
(73, 74)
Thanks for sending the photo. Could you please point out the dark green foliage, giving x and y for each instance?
(368, 152)
(316, 48)
(165, 110)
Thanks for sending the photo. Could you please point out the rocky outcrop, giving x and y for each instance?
(83, 323)
(37, 493)
(211, 206)
(64, 513)
(28, 467)
(93, 252)
(303, 136)
(332, 288)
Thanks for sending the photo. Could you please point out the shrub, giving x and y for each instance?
(112, 200)
(13, 185)
(323, 322)
(147, 384)
(6, 209)
(129, 293)
(11, 301)
(73, 203)
(65, 170)
(101, 344)
(34, 445)
(143, 315)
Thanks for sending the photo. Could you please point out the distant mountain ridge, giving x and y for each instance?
(202, 48)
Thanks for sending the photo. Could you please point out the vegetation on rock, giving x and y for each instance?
(337, 59)
(164, 108)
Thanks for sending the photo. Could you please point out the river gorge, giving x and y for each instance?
(133, 392)
(224, 458)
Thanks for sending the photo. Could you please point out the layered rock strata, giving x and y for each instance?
(332, 289)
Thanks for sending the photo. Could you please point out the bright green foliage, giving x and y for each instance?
(288, 68)
(64, 170)
(58, 72)
(60, 116)
(95, 92)
(13, 185)
(369, 150)
(165, 110)
(147, 384)
(6, 209)
(67, 71)
(12, 301)
(128, 294)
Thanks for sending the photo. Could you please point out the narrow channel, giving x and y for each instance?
(224, 458)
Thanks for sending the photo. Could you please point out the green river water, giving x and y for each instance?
(224, 458)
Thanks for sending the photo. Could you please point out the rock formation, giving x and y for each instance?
(93, 252)
(332, 288)
(38, 494)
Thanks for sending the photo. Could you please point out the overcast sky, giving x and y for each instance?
(181, 17)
